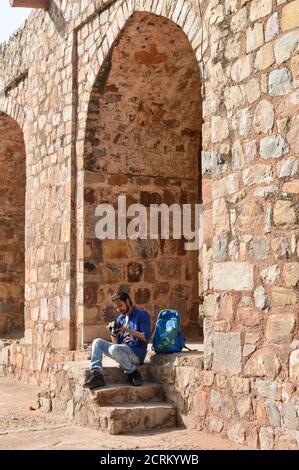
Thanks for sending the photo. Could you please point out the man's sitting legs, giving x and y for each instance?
(121, 353)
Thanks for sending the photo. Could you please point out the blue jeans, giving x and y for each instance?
(121, 353)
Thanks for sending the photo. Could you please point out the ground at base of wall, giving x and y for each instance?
(22, 428)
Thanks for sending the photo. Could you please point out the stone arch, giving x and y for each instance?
(13, 110)
(12, 222)
(181, 288)
(182, 13)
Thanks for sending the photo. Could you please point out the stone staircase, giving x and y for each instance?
(118, 408)
(164, 399)
(124, 408)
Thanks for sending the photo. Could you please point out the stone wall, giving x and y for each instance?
(248, 273)
(251, 300)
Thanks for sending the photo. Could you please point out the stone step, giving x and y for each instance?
(115, 375)
(126, 419)
(124, 394)
(112, 374)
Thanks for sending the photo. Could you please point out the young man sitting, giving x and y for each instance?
(130, 335)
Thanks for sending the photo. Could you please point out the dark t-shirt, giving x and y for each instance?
(139, 320)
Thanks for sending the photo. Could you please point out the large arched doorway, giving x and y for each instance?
(143, 140)
(12, 227)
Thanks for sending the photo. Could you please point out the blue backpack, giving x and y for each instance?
(167, 337)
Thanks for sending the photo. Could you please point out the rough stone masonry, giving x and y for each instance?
(167, 101)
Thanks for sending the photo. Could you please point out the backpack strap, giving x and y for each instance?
(186, 347)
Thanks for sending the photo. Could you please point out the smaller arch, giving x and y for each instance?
(12, 224)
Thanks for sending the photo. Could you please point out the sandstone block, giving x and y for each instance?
(293, 135)
(233, 276)
(225, 186)
(244, 406)
(239, 20)
(248, 316)
(284, 214)
(259, 9)
(273, 415)
(252, 90)
(221, 221)
(257, 174)
(290, 417)
(242, 68)
(273, 146)
(291, 187)
(220, 247)
(248, 349)
(214, 424)
(209, 343)
(236, 432)
(286, 46)
(263, 117)
(260, 298)
(290, 17)
(242, 121)
(211, 305)
(287, 167)
(283, 296)
(215, 400)
(271, 274)
(240, 385)
(227, 353)
(266, 437)
(291, 274)
(280, 328)
(280, 82)
(294, 366)
(219, 129)
(268, 389)
(254, 37)
(258, 247)
(262, 363)
(272, 27)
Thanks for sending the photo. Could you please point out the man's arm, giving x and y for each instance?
(144, 326)
(114, 339)
(137, 334)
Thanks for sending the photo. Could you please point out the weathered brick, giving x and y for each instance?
(233, 276)
(254, 37)
(258, 174)
(280, 328)
(289, 19)
(227, 353)
(280, 82)
(266, 437)
(242, 68)
(264, 57)
(291, 274)
(264, 116)
(283, 296)
(259, 9)
(273, 147)
(294, 366)
(284, 214)
(262, 363)
(286, 46)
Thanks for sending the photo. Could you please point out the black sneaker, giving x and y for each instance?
(135, 378)
(95, 380)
